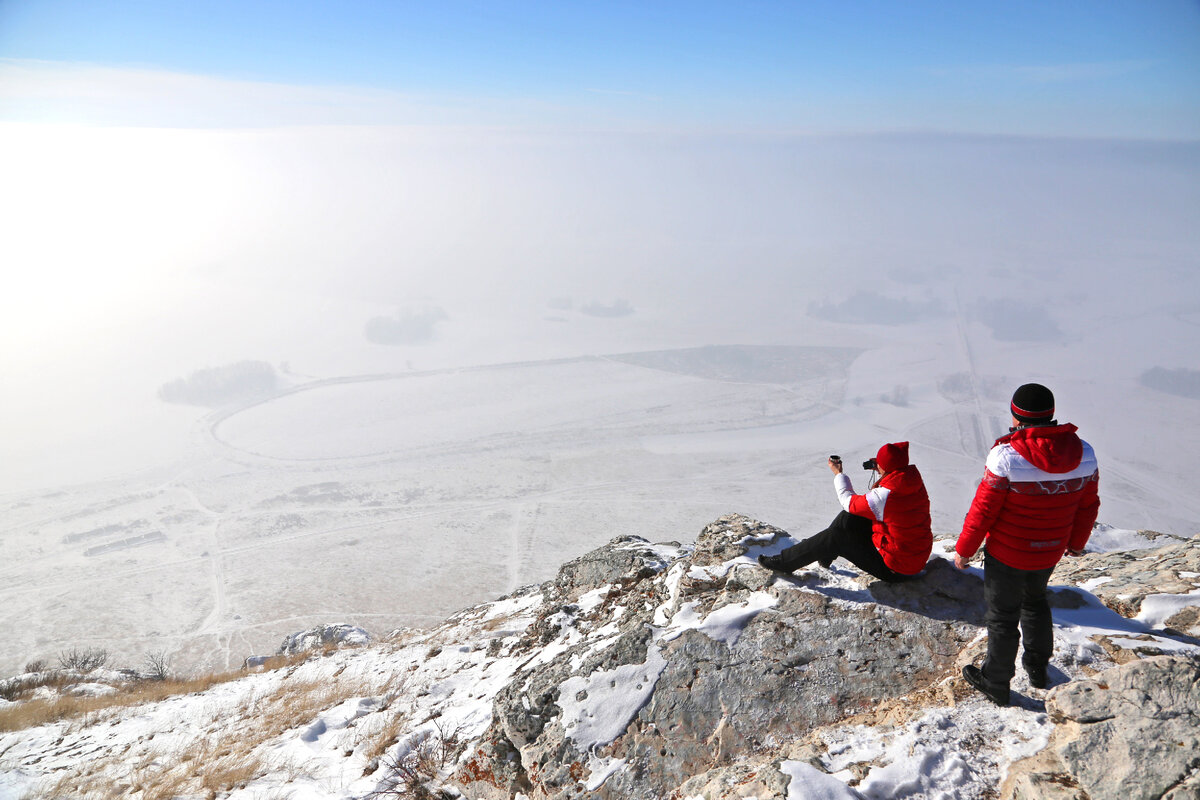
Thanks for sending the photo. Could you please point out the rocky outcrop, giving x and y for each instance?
(335, 635)
(1124, 579)
(1131, 733)
(652, 664)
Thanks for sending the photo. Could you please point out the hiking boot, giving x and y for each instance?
(773, 562)
(1037, 676)
(826, 562)
(975, 677)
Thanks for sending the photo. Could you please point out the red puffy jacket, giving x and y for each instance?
(1038, 497)
(901, 529)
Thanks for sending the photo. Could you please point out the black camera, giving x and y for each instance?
(869, 464)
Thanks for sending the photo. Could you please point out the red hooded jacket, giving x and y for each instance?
(1038, 497)
(898, 508)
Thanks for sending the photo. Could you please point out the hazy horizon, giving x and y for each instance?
(281, 246)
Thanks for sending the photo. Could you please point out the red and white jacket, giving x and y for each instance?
(1038, 497)
(898, 508)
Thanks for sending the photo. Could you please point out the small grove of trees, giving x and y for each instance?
(158, 665)
(1182, 382)
(897, 397)
(219, 386)
(41, 672)
(407, 327)
(619, 308)
(82, 660)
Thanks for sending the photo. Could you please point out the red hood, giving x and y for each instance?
(1054, 449)
(903, 481)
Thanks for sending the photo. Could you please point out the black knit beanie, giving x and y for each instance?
(1033, 403)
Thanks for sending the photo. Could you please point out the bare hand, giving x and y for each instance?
(835, 467)
(1071, 552)
(960, 562)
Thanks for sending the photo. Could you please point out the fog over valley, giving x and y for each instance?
(258, 379)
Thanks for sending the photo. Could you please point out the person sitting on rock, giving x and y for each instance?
(885, 532)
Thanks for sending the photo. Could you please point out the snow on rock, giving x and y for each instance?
(1106, 539)
(1163, 577)
(936, 754)
(597, 708)
(335, 635)
(91, 690)
(809, 783)
(712, 659)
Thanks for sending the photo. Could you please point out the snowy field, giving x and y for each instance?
(389, 485)
(393, 500)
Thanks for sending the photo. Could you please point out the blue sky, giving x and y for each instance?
(1100, 68)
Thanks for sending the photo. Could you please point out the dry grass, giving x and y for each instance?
(232, 755)
(413, 774)
(379, 738)
(210, 770)
(31, 713)
(230, 769)
(35, 712)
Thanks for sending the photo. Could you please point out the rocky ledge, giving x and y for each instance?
(1124, 579)
(659, 670)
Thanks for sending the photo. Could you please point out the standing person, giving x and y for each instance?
(884, 532)
(1038, 500)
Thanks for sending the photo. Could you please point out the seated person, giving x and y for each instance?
(885, 532)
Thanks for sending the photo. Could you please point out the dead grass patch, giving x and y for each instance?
(31, 713)
(414, 774)
(377, 738)
(233, 755)
(34, 712)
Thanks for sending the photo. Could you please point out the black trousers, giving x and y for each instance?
(1015, 597)
(848, 537)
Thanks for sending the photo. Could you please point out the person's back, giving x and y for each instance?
(1038, 500)
(1046, 477)
(904, 537)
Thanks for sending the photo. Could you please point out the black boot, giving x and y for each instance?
(996, 694)
(1037, 676)
(774, 562)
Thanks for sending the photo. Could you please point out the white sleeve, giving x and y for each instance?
(845, 490)
(876, 500)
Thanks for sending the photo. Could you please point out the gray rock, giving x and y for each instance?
(705, 697)
(1131, 575)
(1131, 733)
(737, 782)
(336, 635)
(624, 559)
(942, 591)
(731, 536)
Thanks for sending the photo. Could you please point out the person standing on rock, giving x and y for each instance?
(1038, 500)
(885, 532)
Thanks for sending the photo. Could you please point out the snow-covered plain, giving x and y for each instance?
(786, 305)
